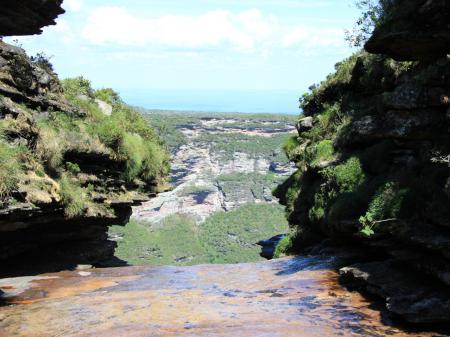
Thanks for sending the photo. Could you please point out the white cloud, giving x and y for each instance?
(73, 5)
(247, 31)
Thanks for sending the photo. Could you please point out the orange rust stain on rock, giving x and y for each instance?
(278, 298)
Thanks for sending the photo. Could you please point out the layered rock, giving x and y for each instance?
(28, 17)
(373, 163)
(413, 30)
(68, 183)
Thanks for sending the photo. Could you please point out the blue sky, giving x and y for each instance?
(198, 45)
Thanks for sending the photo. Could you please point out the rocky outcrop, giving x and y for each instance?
(28, 17)
(62, 185)
(286, 297)
(373, 163)
(413, 30)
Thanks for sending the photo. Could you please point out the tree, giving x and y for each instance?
(373, 14)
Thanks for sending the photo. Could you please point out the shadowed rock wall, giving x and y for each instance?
(28, 17)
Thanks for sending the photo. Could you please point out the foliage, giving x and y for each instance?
(179, 240)
(108, 95)
(77, 86)
(230, 237)
(126, 132)
(385, 205)
(283, 247)
(290, 146)
(10, 167)
(346, 177)
(227, 144)
(72, 197)
(43, 61)
(373, 14)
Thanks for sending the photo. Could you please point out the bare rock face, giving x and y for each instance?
(287, 297)
(28, 17)
(413, 30)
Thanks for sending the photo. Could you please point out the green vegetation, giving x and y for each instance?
(72, 197)
(373, 14)
(125, 139)
(173, 242)
(348, 182)
(227, 144)
(283, 247)
(230, 237)
(168, 123)
(10, 168)
(222, 238)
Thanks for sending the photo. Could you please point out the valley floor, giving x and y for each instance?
(223, 170)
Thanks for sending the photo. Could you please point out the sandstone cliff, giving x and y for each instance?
(373, 163)
(73, 162)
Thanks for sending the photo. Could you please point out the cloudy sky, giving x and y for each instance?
(259, 45)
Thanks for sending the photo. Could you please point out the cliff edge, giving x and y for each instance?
(372, 154)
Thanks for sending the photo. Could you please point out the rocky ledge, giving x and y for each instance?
(373, 156)
(63, 181)
(28, 17)
(413, 30)
(278, 298)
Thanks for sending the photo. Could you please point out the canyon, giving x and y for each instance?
(366, 196)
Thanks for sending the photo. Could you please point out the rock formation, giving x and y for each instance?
(63, 174)
(28, 17)
(413, 30)
(373, 158)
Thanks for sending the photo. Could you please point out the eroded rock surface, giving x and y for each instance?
(197, 171)
(288, 297)
(28, 17)
(413, 30)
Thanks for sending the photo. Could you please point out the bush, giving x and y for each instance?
(72, 197)
(323, 151)
(77, 86)
(346, 177)
(283, 247)
(10, 168)
(290, 146)
(108, 95)
(385, 205)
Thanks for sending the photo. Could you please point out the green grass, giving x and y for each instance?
(223, 238)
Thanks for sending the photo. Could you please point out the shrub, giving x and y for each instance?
(74, 87)
(290, 146)
(10, 168)
(323, 151)
(283, 247)
(132, 149)
(72, 197)
(346, 177)
(73, 168)
(108, 95)
(385, 205)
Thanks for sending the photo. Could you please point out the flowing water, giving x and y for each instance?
(297, 296)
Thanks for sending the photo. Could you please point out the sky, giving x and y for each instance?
(227, 55)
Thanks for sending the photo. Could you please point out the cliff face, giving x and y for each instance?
(413, 30)
(28, 17)
(73, 162)
(373, 164)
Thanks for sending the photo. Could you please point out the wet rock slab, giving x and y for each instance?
(297, 296)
